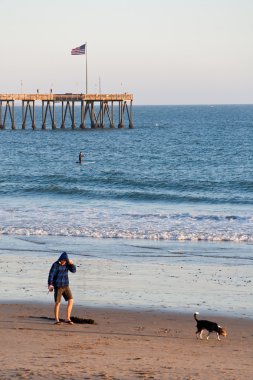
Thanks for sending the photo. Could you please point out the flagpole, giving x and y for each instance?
(86, 53)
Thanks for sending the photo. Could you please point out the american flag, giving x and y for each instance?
(78, 50)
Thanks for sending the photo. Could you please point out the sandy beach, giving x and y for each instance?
(122, 344)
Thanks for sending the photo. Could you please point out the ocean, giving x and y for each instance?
(174, 192)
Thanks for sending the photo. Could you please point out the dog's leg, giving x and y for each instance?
(208, 335)
(218, 336)
(200, 335)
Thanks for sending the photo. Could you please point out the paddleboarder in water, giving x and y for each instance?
(81, 155)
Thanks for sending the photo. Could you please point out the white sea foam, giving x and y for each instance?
(103, 222)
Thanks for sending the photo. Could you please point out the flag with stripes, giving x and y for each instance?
(78, 50)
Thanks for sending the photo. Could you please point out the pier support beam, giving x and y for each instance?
(62, 116)
(121, 118)
(67, 109)
(73, 125)
(101, 114)
(9, 110)
(53, 121)
(93, 117)
(26, 107)
(112, 115)
(49, 109)
(83, 113)
(129, 114)
(1, 122)
(131, 125)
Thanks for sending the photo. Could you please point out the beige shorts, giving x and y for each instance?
(63, 291)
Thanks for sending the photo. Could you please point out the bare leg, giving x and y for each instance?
(56, 311)
(69, 309)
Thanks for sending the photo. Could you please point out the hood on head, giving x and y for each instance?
(64, 256)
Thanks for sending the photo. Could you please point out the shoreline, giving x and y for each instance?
(122, 344)
(185, 277)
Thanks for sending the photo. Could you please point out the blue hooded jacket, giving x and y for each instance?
(58, 274)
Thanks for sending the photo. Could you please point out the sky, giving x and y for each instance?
(161, 51)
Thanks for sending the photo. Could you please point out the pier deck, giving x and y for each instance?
(97, 110)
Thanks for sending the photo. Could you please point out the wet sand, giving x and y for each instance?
(123, 344)
(168, 276)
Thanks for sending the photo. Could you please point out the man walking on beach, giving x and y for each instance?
(59, 282)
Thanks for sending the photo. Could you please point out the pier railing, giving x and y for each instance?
(96, 109)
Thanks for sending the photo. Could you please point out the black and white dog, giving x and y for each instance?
(209, 326)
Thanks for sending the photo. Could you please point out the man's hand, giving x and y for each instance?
(50, 288)
(71, 262)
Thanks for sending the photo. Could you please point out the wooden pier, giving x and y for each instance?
(96, 110)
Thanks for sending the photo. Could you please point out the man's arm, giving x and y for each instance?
(51, 275)
(71, 266)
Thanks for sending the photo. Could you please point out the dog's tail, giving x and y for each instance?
(195, 316)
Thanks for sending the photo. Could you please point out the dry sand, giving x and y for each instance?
(121, 345)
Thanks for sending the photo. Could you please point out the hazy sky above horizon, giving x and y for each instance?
(163, 51)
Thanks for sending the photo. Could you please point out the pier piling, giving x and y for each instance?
(8, 105)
